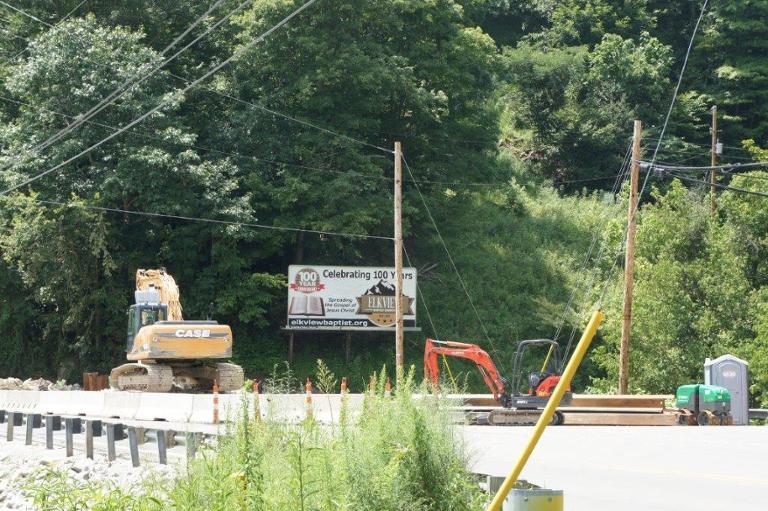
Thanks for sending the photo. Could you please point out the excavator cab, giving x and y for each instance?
(146, 311)
(541, 383)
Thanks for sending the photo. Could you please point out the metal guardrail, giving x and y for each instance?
(758, 413)
(114, 431)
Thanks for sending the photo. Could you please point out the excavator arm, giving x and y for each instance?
(165, 284)
(482, 360)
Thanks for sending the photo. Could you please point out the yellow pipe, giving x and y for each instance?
(549, 410)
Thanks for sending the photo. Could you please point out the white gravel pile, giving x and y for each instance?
(22, 467)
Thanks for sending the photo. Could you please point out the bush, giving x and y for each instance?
(398, 453)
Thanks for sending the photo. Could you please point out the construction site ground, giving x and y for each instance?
(603, 468)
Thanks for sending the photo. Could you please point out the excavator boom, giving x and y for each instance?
(165, 284)
(482, 360)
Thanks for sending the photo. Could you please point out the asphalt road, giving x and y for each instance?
(614, 468)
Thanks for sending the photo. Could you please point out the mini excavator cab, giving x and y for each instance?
(541, 383)
(146, 311)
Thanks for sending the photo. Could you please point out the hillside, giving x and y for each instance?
(233, 152)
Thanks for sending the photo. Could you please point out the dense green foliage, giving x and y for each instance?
(510, 95)
(396, 454)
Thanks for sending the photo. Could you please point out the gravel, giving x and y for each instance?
(22, 467)
(38, 384)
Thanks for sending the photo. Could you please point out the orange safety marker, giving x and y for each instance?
(388, 388)
(344, 389)
(308, 390)
(215, 401)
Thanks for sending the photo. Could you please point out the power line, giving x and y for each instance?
(211, 220)
(706, 168)
(64, 18)
(658, 145)
(139, 119)
(721, 186)
(291, 118)
(240, 156)
(620, 178)
(136, 78)
(30, 16)
(448, 253)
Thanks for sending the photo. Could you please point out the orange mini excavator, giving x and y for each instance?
(518, 407)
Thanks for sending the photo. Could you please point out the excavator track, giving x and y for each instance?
(520, 417)
(142, 376)
(231, 376)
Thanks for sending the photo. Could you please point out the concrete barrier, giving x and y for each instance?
(55, 403)
(119, 404)
(22, 400)
(202, 407)
(87, 403)
(3, 399)
(169, 407)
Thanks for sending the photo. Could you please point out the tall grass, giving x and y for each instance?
(397, 453)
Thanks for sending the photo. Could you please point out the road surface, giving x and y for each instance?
(614, 468)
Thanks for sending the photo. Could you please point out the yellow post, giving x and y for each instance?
(549, 410)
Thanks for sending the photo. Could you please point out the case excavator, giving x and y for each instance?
(519, 407)
(168, 353)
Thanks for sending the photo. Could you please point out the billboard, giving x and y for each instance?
(347, 297)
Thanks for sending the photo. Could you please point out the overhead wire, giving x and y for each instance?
(24, 13)
(721, 186)
(619, 180)
(63, 18)
(211, 220)
(146, 134)
(448, 253)
(272, 111)
(134, 80)
(658, 145)
(139, 119)
(432, 323)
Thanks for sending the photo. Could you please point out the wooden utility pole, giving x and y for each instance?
(713, 177)
(629, 261)
(398, 263)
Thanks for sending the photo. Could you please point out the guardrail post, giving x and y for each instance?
(133, 444)
(114, 432)
(92, 429)
(191, 440)
(69, 430)
(33, 422)
(10, 426)
(162, 455)
(52, 423)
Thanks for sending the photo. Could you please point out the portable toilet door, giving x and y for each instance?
(733, 374)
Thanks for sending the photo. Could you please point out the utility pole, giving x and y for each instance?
(713, 177)
(629, 261)
(398, 263)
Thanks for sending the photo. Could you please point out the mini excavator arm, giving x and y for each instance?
(482, 360)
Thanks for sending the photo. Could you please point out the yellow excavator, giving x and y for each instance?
(168, 353)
